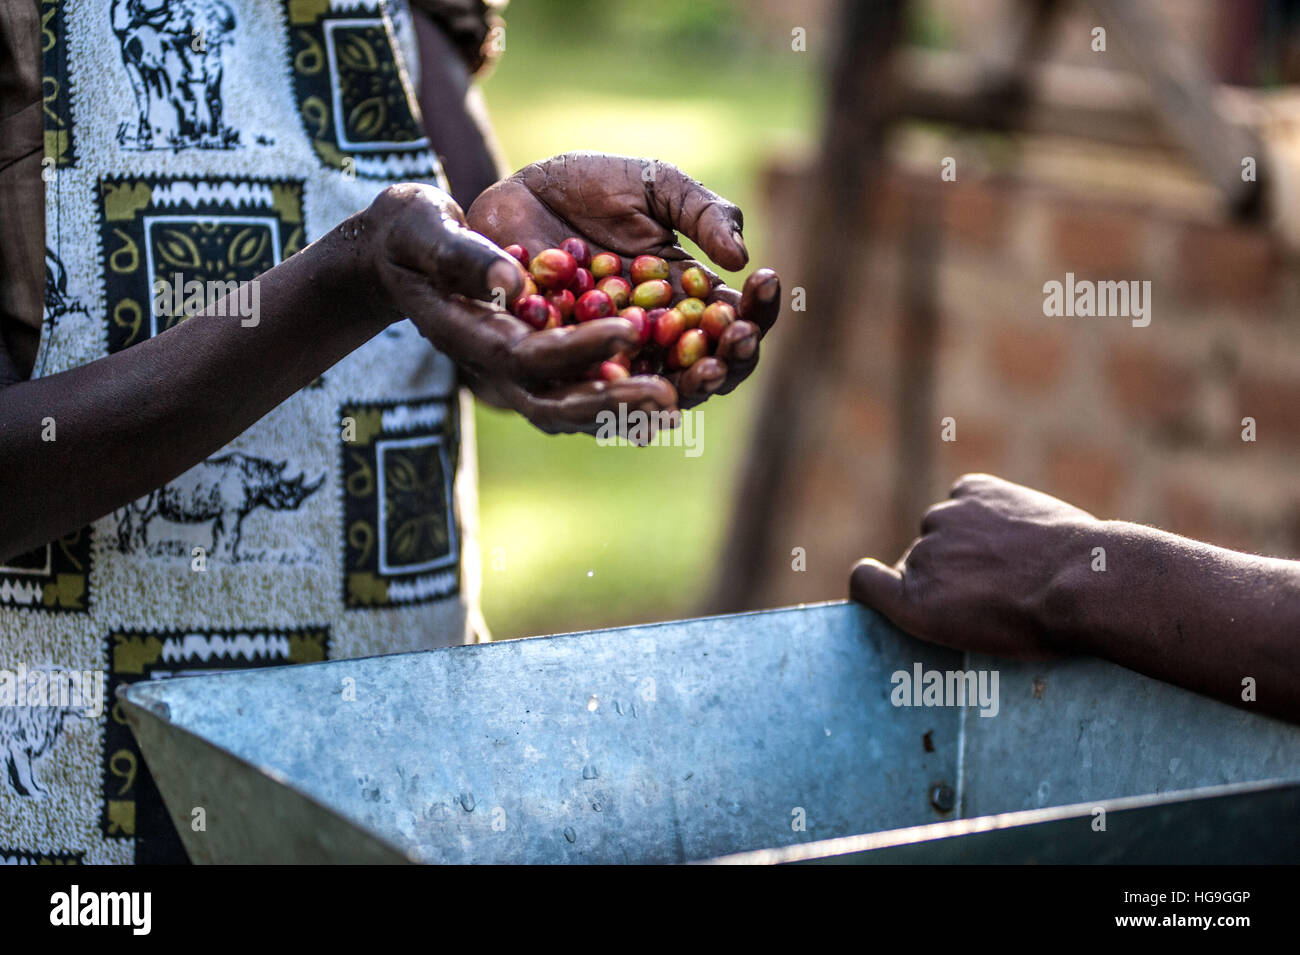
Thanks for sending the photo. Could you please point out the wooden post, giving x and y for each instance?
(862, 102)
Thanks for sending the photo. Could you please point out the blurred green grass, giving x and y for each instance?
(574, 535)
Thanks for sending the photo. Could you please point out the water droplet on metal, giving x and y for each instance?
(467, 802)
(570, 834)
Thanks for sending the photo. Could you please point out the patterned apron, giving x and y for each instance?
(210, 139)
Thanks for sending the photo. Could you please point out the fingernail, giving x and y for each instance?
(504, 276)
(746, 347)
(737, 238)
(767, 291)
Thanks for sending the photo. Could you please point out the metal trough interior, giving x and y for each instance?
(678, 742)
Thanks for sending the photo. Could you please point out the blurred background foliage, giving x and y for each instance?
(573, 535)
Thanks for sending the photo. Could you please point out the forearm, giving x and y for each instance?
(128, 423)
(1189, 613)
(454, 115)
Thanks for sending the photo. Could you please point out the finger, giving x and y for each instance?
(881, 588)
(469, 332)
(760, 300)
(454, 259)
(701, 380)
(710, 221)
(909, 558)
(497, 344)
(969, 484)
(936, 516)
(577, 408)
(738, 349)
(569, 351)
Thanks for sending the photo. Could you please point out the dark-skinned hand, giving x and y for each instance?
(450, 281)
(632, 207)
(983, 574)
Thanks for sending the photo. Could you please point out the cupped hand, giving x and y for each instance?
(451, 282)
(636, 207)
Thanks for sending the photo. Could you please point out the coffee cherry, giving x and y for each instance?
(655, 293)
(690, 348)
(617, 288)
(593, 305)
(716, 318)
(613, 371)
(531, 309)
(640, 321)
(582, 283)
(568, 284)
(553, 269)
(652, 316)
(692, 310)
(648, 267)
(578, 249)
(668, 328)
(605, 263)
(564, 301)
(695, 283)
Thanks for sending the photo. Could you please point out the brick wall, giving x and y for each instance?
(1134, 423)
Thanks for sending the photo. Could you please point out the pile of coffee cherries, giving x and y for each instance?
(569, 285)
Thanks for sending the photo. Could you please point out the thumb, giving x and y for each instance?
(460, 261)
(880, 588)
(703, 216)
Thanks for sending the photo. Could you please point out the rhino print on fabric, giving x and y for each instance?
(222, 490)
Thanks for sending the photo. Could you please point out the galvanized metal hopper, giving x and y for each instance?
(764, 733)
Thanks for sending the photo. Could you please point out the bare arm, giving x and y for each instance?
(1200, 616)
(1007, 570)
(129, 422)
(455, 116)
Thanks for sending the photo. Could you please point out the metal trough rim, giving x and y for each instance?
(145, 702)
(955, 828)
(136, 700)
